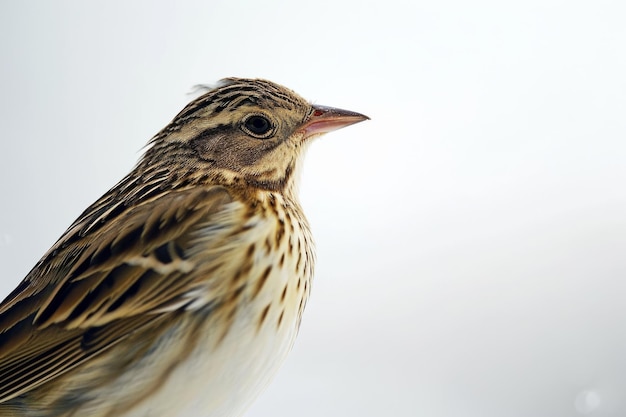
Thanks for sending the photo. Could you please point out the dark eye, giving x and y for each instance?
(258, 126)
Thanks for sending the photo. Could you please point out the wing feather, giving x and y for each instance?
(100, 283)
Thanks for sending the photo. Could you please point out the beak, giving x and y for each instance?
(326, 119)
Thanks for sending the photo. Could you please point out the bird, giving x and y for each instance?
(181, 290)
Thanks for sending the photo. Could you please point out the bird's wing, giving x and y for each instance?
(100, 283)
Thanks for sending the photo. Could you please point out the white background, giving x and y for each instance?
(471, 236)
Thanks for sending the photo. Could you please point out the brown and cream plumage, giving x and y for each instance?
(180, 291)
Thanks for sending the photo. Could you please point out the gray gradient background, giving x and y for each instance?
(471, 236)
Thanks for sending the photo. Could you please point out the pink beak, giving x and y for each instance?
(326, 119)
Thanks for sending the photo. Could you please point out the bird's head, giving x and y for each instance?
(247, 131)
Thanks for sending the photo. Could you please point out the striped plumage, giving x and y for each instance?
(180, 291)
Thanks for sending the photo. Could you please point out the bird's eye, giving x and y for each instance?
(258, 126)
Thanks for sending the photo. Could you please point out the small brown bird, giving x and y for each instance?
(180, 291)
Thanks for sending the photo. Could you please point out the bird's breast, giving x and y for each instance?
(252, 289)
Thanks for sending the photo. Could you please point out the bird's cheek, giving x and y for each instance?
(208, 146)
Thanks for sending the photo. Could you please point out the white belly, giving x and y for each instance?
(221, 382)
